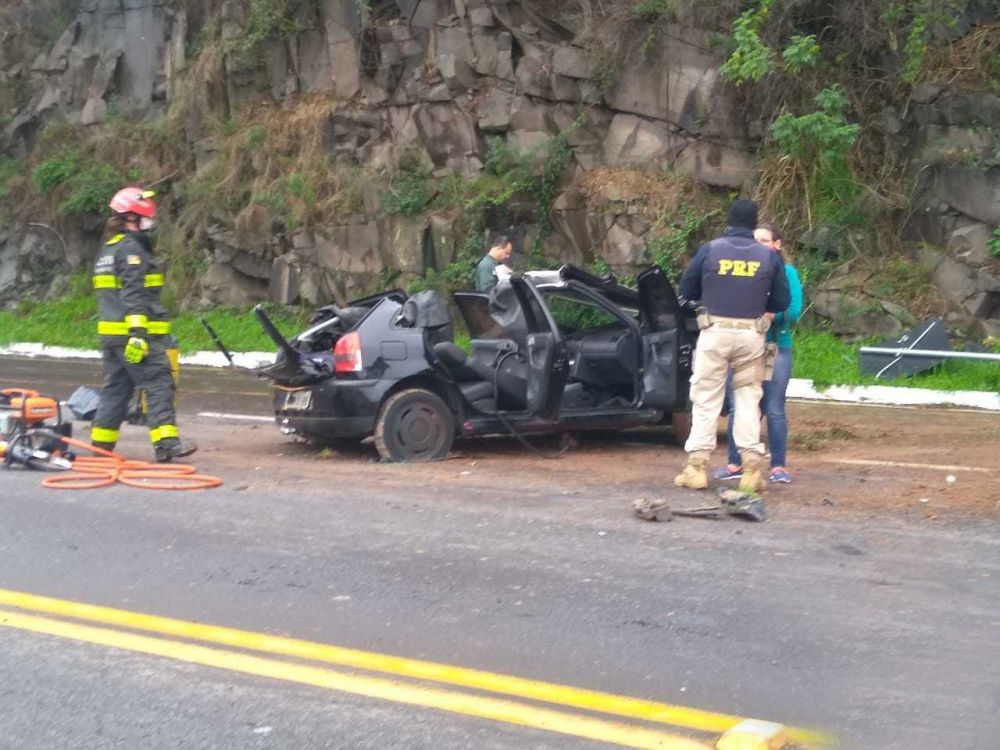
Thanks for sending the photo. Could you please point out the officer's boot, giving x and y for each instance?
(753, 480)
(170, 448)
(695, 474)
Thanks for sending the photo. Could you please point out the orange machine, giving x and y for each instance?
(23, 410)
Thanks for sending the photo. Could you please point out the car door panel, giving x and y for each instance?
(660, 374)
(666, 345)
(548, 364)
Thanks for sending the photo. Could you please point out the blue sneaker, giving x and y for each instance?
(780, 476)
(724, 473)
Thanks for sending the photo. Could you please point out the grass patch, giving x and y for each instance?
(71, 321)
(827, 360)
(237, 328)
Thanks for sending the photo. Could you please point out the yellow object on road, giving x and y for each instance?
(753, 734)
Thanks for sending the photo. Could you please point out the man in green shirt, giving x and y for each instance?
(486, 271)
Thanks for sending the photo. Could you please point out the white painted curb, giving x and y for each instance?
(893, 395)
(198, 359)
(798, 388)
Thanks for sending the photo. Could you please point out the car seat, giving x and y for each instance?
(486, 388)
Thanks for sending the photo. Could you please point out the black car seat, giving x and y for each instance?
(481, 385)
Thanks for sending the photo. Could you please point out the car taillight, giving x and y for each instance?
(347, 353)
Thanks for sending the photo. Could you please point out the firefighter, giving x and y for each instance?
(738, 281)
(133, 327)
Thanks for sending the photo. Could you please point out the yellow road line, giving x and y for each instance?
(519, 687)
(633, 708)
(510, 712)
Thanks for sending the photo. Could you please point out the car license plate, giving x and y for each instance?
(298, 400)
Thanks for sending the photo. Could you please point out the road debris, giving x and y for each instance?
(743, 505)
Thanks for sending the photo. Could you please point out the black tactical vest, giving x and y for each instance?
(736, 277)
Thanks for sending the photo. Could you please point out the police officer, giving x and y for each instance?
(737, 280)
(133, 326)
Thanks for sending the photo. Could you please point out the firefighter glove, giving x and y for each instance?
(136, 350)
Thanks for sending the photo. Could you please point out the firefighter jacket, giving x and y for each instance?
(128, 281)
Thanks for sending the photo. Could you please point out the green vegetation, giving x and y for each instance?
(266, 21)
(9, 169)
(71, 321)
(514, 186)
(916, 20)
(827, 360)
(751, 59)
(994, 243)
(237, 328)
(670, 250)
(81, 184)
(410, 194)
(654, 10)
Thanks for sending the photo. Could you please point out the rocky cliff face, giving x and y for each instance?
(388, 84)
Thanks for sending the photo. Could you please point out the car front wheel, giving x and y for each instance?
(414, 425)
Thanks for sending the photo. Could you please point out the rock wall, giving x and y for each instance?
(437, 77)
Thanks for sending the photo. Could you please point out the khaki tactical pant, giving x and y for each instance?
(719, 349)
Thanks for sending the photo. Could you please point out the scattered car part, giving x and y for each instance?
(217, 341)
(732, 503)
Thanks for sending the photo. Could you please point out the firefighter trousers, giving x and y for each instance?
(153, 375)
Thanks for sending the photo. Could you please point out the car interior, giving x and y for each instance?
(602, 348)
(603, 351)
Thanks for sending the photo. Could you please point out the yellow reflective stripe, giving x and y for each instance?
(136, 321)
(151, 281)
(103, 435)
(109, 328)
(107, 281)
(163, 432)
(115, 240)
(118, 328)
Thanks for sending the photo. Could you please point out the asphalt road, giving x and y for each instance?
(882, 631)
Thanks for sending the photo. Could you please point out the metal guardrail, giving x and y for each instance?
(930, 353)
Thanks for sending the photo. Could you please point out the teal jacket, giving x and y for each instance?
(781, 329)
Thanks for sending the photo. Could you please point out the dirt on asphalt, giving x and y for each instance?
(918, 463)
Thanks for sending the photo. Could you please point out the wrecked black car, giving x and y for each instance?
(548, 351)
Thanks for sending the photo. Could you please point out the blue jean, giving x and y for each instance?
(773, 405)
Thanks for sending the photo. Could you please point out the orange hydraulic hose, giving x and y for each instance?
(106, 468)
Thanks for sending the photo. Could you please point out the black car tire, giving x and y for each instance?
(414, 425)
(681, 422)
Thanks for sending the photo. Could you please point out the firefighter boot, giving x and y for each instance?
(752, 481)
(170, 448)
(695, 474)
(103, 446)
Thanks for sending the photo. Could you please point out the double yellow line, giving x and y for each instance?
(582, 725)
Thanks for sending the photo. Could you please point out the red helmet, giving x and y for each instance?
(134, 200)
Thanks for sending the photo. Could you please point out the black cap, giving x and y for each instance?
(743, 213)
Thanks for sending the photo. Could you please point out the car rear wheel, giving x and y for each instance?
(414, 425)
(681, 422)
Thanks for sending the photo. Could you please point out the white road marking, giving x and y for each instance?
(904, 465)
(244, 417)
